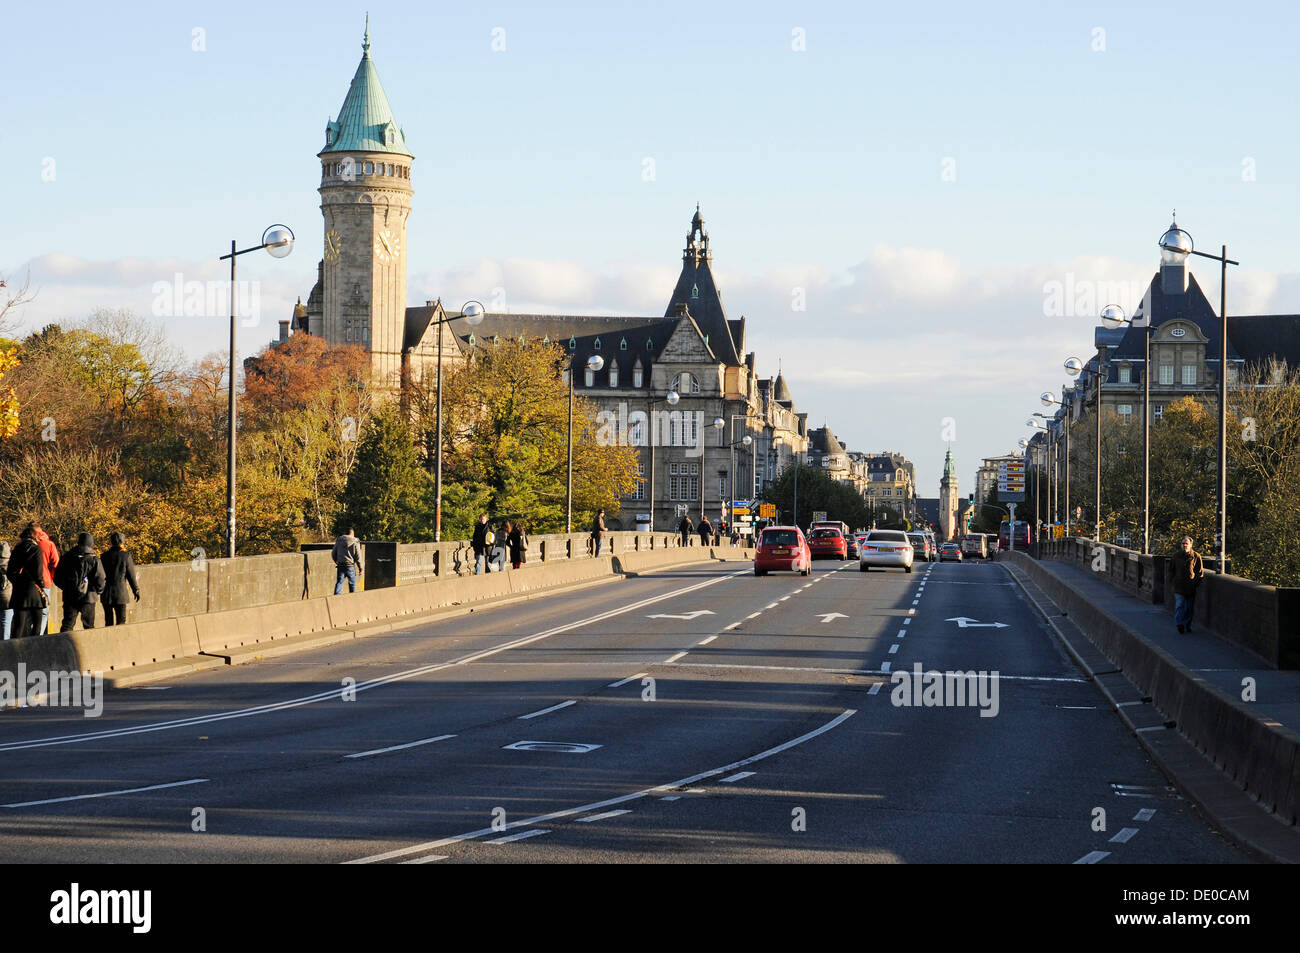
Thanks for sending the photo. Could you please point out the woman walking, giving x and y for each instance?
(517, 540)
(119, 568)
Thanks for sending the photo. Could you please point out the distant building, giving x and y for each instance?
(891, 484)
(986, 478)
(950, 522)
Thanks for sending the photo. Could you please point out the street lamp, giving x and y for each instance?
(1075, 366)
(744, 441)
(473, 313)
(718, 424)
(1113, 316)
(278, 242)
(1175, 245)
(594, 363)
(671, 399)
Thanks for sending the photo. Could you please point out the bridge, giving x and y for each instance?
(660, 702)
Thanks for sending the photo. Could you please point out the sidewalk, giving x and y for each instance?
(1181, 696)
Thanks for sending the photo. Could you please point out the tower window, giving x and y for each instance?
(370, 168)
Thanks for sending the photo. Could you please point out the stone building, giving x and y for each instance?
(950, 521)
(891, 484)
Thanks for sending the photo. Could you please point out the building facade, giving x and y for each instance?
(950, 522)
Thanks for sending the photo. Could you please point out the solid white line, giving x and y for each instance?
(1131, 794)
(671, 797)
(1124, 836)
(409, 744)
(547, 711)
(622, 799)
(669, 661)
(520, 836)
(83, 797)
(334, 693)
(1153, 728)
(738, 776)
(779, 668)
(875, 689)
(1093, 857)
(1077, 707)
(623, 681)
(1145, 814)
(1126, 704)
(600, 817)
(426, 860)
(706, 641)
(884, 668)
(893, 648)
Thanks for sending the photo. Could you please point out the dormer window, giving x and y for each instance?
(596, 344)
(613, 373)
(638, 375)
(573, 343)
(622, 345)
(390, 134)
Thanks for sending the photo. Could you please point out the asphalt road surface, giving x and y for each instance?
(695, 715)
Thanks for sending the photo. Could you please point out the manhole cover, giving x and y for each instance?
(564, 747)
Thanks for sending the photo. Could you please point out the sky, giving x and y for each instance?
(919, 208)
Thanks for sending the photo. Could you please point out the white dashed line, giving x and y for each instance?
(547, 711)
(1093, 857)
(738, 776)
(509, 838)
(875, 689)
(674, 658)
(1153, 728)
(621, 682)
(1145, 814)
(783, 598)
(706, 641)
(884, 667)
(732, 626)
(1124, 836)
(671, 797)
(409, 744)
(772, 606)
(893, 648)
(600, 817)
(902, 634)
(911, 612)
(753, 615)
(907, 622)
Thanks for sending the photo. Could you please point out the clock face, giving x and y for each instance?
(387, 246)
(332, 245)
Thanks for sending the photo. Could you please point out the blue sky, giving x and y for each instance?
(819, 169)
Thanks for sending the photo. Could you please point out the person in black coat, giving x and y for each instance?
(706, 531)
(119, 572)
(80, 568)
(517, 540)
(27, 597)
(686, 527)
(480, 545)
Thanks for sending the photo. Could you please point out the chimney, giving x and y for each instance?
(284, 330)
(1173, 278)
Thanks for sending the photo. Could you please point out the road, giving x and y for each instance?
(729, 718)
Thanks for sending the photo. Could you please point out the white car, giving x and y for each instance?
(885, 548)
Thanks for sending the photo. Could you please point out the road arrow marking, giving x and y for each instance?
(686, 615)
(828, 616)
(966, 623)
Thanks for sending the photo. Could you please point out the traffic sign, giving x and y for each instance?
(819, 516)
(767, 511)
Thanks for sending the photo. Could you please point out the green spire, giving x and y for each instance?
(365, 122)
(949, 467)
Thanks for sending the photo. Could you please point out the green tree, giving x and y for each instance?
(386, 493)
(817, 492)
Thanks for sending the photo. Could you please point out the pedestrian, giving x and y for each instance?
(6, 587)
(26, 571)
(80, 576)
(706, 531)
(517, 540)
(686, 527)
(347, 559)
(735, 536)
(480, 541)
(1188, 572)
(50, 552)
(598, 532)
(119, 573)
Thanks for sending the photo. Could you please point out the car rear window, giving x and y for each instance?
(917, 539)
(888, 536)
(779, 537)
(822, 533)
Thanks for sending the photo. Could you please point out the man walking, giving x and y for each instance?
(598, 531)
(50, 555)
(81, 578)
(706, 531)
(119, 571)
(347, 557)
(1188, 572)
(686, 527)
(480, 543)
(26, 571)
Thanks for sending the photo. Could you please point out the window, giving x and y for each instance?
(683, 481)
(639, 492)
(590, 377)
(722, 488)
(1126, 375)
(596, 344)
(370, 168)
(1189, 373)
(1125, 412)
(638, 376)
(613, 373)
(1166, 373)
(1157, 411)
(685, 383)
(622, 345)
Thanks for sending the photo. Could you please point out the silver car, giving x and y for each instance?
(885, 547)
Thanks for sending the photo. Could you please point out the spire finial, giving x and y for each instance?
(365, 41)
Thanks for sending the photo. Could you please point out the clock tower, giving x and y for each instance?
(365, 195)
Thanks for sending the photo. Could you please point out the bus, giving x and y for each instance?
(831, 524)
(1024, 535)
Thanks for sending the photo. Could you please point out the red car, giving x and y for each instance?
(782, 549)
(825, 541)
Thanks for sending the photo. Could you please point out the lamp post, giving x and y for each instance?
(1023, 444)
(1175, 245)
(718, 424)
(594, 363)
(745, 441)
(671, 399)
(1113, 316)
(473, 313)
(278, 242)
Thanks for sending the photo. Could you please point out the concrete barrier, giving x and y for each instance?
(1260, 755)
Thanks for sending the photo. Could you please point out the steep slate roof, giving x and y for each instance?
(365, 115)
(1258, 337)
(822, 440)
(782, 388)
(1158, 308)
(697, 290)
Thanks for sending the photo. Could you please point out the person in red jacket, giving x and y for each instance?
(50, 554)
